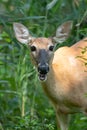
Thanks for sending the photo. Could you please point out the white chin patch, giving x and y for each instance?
(42, 77)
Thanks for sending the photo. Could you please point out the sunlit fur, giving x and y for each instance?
(66, 84)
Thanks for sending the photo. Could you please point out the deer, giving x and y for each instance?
(62, 73)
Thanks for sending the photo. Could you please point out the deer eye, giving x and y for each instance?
(33, 48)
(51, 48)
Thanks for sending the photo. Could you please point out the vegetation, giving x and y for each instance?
(23, 105)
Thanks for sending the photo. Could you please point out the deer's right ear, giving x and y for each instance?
(21, 33)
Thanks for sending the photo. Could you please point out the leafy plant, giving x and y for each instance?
(23, 105)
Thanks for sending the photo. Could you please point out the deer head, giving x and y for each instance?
(42, 48)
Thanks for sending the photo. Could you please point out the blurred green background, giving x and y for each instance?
(23, 104)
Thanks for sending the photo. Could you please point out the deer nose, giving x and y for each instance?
(43, 69)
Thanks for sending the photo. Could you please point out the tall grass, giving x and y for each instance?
(23, 105)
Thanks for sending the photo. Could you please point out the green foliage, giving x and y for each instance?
(23, 105)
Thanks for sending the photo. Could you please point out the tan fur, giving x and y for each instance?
(66, 84)
(67, 79)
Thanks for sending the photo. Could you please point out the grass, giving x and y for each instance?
(23, 105)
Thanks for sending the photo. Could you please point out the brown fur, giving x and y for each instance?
(66, 84)
(67, 79)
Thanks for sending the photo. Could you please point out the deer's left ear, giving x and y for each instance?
(63, 31)
(21, 33)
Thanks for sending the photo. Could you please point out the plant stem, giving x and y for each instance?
(23, 106)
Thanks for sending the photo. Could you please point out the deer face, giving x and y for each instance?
(42, 51)
(41, 48)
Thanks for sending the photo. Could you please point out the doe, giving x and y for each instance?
(63, 72)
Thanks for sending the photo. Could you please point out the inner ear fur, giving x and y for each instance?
(21, 33)
(63, 31)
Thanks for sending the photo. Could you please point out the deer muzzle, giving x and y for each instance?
(43, 67)
(42, 72)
